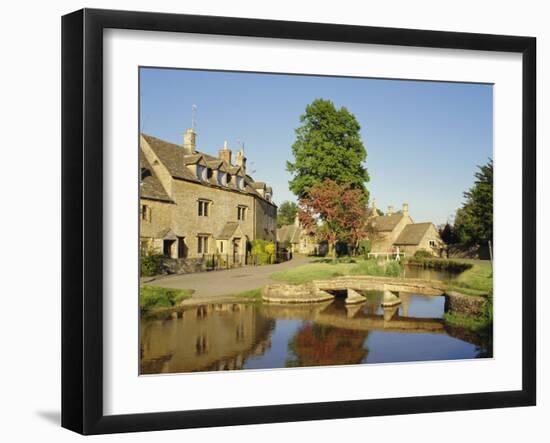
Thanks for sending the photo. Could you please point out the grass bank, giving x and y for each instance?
(438, 264)
(328, 269)
(154, 298)
(253, 294)
(477, 280)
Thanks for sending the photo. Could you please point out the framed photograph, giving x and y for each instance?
(269, 221)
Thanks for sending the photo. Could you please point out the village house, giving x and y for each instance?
(297, 238)
(396, 230)
(194, 205)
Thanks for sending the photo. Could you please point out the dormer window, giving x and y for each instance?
(202, 173)
(240, 183)
(222, 178)
(268, 197)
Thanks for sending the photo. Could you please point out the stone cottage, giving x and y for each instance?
(397, 230)
(298, 239)
(193, 204)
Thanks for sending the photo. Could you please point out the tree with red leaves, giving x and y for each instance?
(336, 212)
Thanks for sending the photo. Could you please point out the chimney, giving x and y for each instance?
(374, 212)
(241, 160)
(297, 219)
(390, 210)
(225, 153)
(189, 141)
(405, 209)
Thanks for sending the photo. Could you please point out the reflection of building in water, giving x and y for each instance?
(206, 337)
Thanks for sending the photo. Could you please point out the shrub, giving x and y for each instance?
(263, 251)
(151, 262)
(422, 253)
(377, 268)
(365, 247)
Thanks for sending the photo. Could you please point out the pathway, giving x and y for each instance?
(214, 284)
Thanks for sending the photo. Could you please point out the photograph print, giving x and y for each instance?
(301, 220)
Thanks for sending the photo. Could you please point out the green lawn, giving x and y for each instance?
(318, 271)
(478, 280)
(155, 298)
(251, 294)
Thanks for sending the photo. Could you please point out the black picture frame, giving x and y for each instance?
(82, 219)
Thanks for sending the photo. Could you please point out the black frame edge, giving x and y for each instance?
(82, 153)
(72, 367)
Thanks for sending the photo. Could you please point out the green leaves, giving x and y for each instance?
(286, 213)
(474, 221)
(328, 146)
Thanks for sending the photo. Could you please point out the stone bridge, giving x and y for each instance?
(351, 287)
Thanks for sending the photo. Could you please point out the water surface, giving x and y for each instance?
(238, 336)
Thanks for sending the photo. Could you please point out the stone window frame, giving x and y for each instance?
(202, 241)
(242, 212)
(146, 213)
(204, 207)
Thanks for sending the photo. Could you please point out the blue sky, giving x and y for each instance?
(423, 139)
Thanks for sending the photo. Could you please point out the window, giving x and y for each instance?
(146, 213)
(202, 173)
(432, 243)
(240, 182)
(241, 212)
(223, 178)
(202, 244)
(204, 208)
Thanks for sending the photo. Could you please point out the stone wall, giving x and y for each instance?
(460, 304)
(265, 218)
(222, 209)
(160, 217)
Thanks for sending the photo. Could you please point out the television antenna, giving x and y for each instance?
(193, 117)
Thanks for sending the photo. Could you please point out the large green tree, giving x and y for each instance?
(474, 221)
(286, 213)
(328, 146)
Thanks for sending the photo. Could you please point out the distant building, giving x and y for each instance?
(298, 239)
(193, 204)
(397, 230)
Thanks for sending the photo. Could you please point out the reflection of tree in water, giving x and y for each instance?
(316, 345)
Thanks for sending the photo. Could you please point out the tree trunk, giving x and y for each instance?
(333, 246)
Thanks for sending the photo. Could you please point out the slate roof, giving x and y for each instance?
(412, 234)
(288, 233)
(386, 222)
(228, 231)
(151, 187)
(175, 160)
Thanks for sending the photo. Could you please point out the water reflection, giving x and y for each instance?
(241, 336)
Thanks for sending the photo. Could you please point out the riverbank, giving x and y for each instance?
(155, 299)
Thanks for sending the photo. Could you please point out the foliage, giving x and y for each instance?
(154, 297)
(364, 247)
(438, 263)
(448, 234)
(328, 146)
(263, 251)
(151, 262)
(474, 221)
(341, 211)
(286, 213)
(422, 253)
(381, 268)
